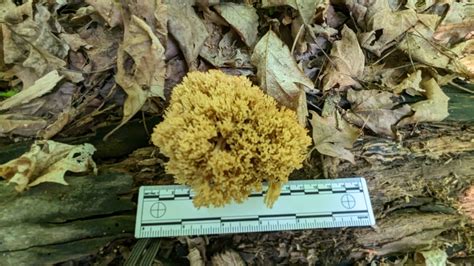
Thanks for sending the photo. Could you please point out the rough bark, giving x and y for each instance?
(52, 223)
(419, 190)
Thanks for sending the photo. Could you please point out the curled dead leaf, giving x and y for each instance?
(48, 161)
(146, 78)
(466, 202)
(434, 108)
(31, 44)
(280, 76)
(243, 18)
(16, 124)
(109, 10)
(346, 62)
(375, 110)
(410, 84)
(188, 30)
(384, 26)
(333, 136)
(229, 257)
(38, 89)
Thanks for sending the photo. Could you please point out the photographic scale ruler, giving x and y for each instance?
(168, 211)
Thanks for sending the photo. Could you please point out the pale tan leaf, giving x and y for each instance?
(273, 3)
(31, 44)
(433, 109)
(75, 41)
(410, 84)
(375, 110)
(465, 58)
(243, 18)
(454, 32)
(229, 257)
(278, 73)
(148, 55)
(188, 30)
(10, 12)
(333, 136)
(109, 10)
(54, 128)
(195, 258)
(346, 64)
(421, 46)
(433, 257)
(147, 77)
(384, 26)
(48, 161)
(39, 88)
(15, 124)
(306, 8)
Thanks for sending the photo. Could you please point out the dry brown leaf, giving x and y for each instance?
(50, 104)
(10, 12)
(147, 52)
(102, 53)
(465, 56)
(410, 84)
(418, 44)
(466, 202)
(15, 124)
(243, 18)
(306, 8)
(455, 32)
(229, 257)
(375, 110)
(333, 136)
(154, 13)
(433, 109)
(54, 128)
(346, 64)
(109, 10)
(188, 30)
(384, 26)
(39, 88)
(279, 75)
(48, 161)
(195, 258)
(146, 79)
(31, 44)
(432, 257)
(75, 41)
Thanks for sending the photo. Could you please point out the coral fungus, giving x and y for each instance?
(224, 137)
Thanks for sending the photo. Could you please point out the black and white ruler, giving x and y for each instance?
(167, 211)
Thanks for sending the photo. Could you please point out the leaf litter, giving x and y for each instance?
(345, 67)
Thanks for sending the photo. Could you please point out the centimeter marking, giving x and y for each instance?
(167, 211)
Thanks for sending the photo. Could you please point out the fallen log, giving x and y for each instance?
(419, 190)
(52, 223)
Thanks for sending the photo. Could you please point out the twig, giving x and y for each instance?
(459, 87)
(296, 38)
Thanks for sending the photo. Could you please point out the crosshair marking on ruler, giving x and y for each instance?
(158, 209)
(348, 201)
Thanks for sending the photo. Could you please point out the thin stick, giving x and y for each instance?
(457, 86)
(296, 38)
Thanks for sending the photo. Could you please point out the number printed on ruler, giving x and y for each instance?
(166, 211)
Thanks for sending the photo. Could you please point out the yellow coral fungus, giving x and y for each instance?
(224, 137)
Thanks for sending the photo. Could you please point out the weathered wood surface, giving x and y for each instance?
(51, 223)
(415, 196)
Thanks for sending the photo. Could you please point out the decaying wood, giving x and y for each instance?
(416, 199)
(52, 223)
(420, 193)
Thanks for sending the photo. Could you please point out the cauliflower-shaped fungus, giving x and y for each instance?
(224, 137)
